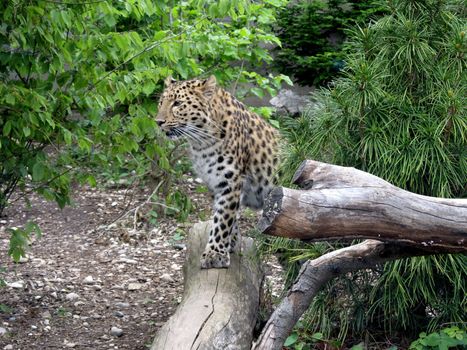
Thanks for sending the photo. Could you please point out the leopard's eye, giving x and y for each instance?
(176, 103)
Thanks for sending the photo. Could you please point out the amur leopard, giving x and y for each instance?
(233, 150)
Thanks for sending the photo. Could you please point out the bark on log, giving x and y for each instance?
(219, 306)
(346, 203)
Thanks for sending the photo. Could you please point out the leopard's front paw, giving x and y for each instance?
(212, 259)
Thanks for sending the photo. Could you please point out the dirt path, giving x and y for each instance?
(91, 282)
(79, 280)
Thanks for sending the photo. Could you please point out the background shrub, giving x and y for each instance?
(396, 111)
(312, 35)
(79, 83)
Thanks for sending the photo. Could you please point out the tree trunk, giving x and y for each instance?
(346, 203)
(219, 306)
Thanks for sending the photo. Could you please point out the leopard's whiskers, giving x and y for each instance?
(201, 132)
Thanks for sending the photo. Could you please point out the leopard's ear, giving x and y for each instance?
(169, 81)
(209, 86)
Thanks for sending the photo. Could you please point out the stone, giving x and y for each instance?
(175, 267)
(122, 305)
(23, 259)
(8, 347)
(291, 102)
(2, 331)
(46, 314)
(179, 246)
(16, 285)
(88, 280)
(135, 286)
(71, 296)
(167, 278)
(119, 314)
(116, 332)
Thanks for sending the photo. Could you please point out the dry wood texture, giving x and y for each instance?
(219, 306)
(345, 203)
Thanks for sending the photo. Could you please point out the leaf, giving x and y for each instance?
(91, 181)
(10, 99)
(149, 87)
(38, 171)
(291, 339)
(258, 92)
(318, 336)
(26, 131)
(7, 128)
(161, 34)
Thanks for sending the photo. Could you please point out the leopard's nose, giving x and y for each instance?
(160, 122)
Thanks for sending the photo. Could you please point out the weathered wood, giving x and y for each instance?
(312, 277)
(346, 203)
(219, 306)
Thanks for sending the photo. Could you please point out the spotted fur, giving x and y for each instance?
(232, 149)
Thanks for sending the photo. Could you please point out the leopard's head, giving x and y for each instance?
(185, 109)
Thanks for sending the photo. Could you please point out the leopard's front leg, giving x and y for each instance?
(226, 204)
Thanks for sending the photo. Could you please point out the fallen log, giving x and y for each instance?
(315, 273)
(219, 306)
(345, 203)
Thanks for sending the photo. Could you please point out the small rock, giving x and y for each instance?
(129, 261)
(71, 296)
(135, 286)
(88, 280)
(69, 345)
(198, 180)
(175, 267)
(23, 259)
(180, 246)
(2, 331)
(166, 277)
(46, 314)
(8, 347)
(16, 285)
(122, 305)
(119, 314)
(54, 295)
(97, 287)
(116, 332)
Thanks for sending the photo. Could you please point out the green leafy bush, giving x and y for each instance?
(79, 83)
(447, 338)
(397, 112)
(312, 35)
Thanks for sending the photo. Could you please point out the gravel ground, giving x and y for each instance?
(94, 280)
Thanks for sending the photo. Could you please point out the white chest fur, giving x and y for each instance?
(204, 164)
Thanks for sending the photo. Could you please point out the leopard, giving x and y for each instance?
(232, 149)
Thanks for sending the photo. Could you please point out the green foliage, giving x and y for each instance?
(178, 205)
(445, 339)
(397, 112)
(313, 33)
(300, 339)
(79, 83)
(19, 239)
